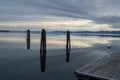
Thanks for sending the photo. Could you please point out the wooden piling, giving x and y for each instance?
(43, 50)
(68, 46)
(28, 39)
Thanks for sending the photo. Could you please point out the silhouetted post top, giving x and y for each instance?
(28, 30)
(43, 31)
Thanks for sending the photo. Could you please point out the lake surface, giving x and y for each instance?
(18, 63)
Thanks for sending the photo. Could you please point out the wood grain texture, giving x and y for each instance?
(107, 67)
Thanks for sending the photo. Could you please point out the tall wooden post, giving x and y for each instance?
(28, 39)
(43, 50)
(68, 46)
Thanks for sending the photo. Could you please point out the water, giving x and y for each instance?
(18, 63)
(54, 41)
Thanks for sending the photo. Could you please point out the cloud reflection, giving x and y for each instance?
(58, 41)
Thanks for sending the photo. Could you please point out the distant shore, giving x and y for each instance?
(81, 33)
(4, 31)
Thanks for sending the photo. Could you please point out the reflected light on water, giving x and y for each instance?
(89, 41)
(12, 39)
(59, 41)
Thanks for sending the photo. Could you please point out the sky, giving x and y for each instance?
(75, 15)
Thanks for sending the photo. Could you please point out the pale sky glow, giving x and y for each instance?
(60, 14)
(61, 24)
(50, 23)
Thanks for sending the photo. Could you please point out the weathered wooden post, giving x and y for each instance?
(68, 46)
(43, 50)
(28, 39)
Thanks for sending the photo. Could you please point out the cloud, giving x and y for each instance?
(108, 19)
(100, 12)
(45, 7)
(111, 20)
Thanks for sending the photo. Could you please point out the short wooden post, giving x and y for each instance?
(68, 46)
(43, 50)
(28, 39)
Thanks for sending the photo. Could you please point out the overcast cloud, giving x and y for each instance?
(99, 12)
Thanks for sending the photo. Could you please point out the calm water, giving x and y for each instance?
(18, 63)
(54, 41)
